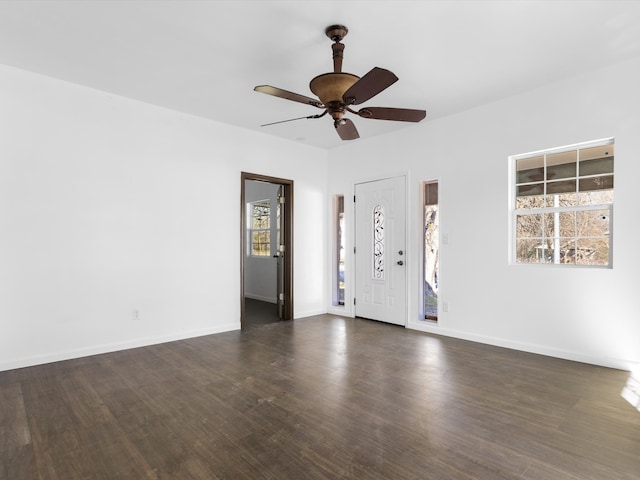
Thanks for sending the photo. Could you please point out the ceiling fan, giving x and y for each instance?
(338, 91)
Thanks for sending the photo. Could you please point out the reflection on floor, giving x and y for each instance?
(257, 313)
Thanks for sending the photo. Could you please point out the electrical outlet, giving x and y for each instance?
(136, 315)
(445, 306)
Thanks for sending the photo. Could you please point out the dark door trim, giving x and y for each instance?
(287, 236)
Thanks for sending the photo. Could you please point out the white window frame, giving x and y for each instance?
(251, 230)
(514, 213)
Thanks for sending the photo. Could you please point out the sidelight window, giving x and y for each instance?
(339, 258)
(431, 248)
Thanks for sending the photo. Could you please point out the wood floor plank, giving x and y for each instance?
(13, 418)
(541, 471)
(18, 463)
(320, 398)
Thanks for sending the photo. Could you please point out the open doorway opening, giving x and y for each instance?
(267, 250)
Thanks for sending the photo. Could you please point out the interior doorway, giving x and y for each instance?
(266, 217)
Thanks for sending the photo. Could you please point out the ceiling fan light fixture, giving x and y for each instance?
(330, 87)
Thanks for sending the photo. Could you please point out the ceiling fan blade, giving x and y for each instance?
(295, 97)
(375, 81)
(346, 129)
(397, 114)
(293, 119)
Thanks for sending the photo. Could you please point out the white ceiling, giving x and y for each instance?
(205, 57)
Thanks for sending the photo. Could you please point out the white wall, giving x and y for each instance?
(108, 205)
(260, 273)
(589, 315)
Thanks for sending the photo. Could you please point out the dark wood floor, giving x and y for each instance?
(258, 313)
(319, 398)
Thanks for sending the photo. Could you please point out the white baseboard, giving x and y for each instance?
(309, 313)
(427, 327)
(113, 347)
(432, 327)
(340, 310)
(261, 298)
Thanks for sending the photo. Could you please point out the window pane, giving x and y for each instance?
(529, 226)
(592, 251)
(530, 196)
(564, 200)
(561, 224)
(593, 223)
(341, 257)
(530, 170)
(340, 286)
(431, 261)
(568, 251)
(378, 243)
(260, 243)
(530, 201)
(596, 160)
(259, 222)
(562, 165)
(431, 193)
(260, 213)
(430, 250)
(531, 189)
(604, 182)
(565, 186)
(596, 167)
(595, 197)
(529, 250)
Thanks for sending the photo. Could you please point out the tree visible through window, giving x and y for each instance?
(260, 228)
(563, 205)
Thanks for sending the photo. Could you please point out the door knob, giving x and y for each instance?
(400, 262)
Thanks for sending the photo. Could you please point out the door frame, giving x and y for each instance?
(287, 236)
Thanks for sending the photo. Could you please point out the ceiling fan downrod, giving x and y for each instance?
(336, 33)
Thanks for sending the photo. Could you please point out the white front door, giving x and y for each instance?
(380, 250)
